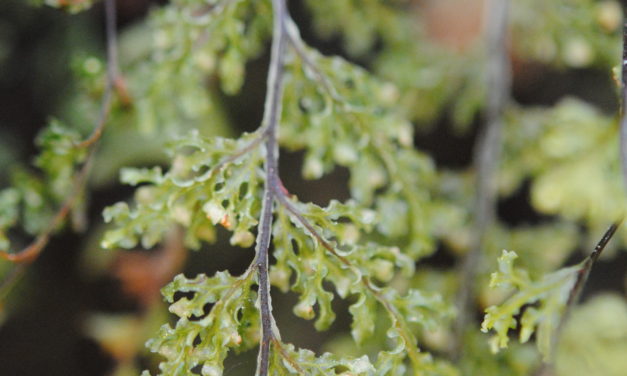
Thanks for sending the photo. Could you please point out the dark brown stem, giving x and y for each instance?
(112, 74)
(586, 267)
(487, 154)
(33, 250)
(623, 116)
(582, 277)
(272, 117)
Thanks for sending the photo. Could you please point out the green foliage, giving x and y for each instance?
(367, 252)
(519, 359)
(551, 294)
(346, 269)
(72, 6)
(298, 362)
(208, 184)
(347, 18)
(547, 145)
(406, 57)
(577, 33)
(204, 338)
(328, 98)
(60, 155)
(193, 40)
(34, 197)
(592, 343)
(9, 212)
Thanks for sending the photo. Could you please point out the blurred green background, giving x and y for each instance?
(45, 324)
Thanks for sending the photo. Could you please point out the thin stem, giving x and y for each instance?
(277, 344)
(623, 121)
(263, 244)
(584, 272)
(32, 251)
(272, 117)
(282, 197)
(238, 154)
(299, 46)
(487, 154)
(212, 8)
(405, 332)
(582, 277)
(353, 112)
(112, 74)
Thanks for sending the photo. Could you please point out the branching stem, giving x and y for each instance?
(412, 351)
(32, 251)
(272, 117)
(487, 154)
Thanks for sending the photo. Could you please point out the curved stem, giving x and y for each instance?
(412, 350)
(353, 112)
(32, 251)
(112, 74)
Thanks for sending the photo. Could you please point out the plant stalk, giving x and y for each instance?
(623, 113)
(487, 155)
(31, 252)
(272, 117)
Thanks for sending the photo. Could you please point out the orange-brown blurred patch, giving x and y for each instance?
(144, 274)
(456, 24)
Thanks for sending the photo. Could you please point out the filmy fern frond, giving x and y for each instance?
(546, 302)
(212, 181)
